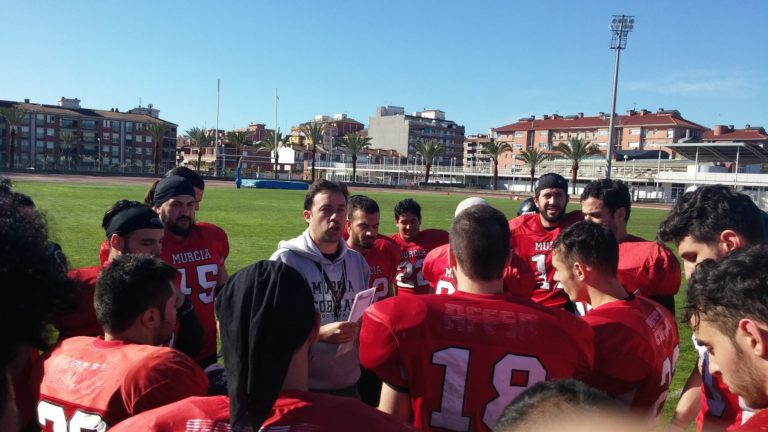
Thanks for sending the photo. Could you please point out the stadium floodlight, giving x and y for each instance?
(620, 27)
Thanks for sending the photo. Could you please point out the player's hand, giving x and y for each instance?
(338, 332)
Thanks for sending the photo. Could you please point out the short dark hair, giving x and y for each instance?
(730, 289)
(130, 285)
(23, 200)
(323, 185)
(35, 289)
(363, 203)
(613, 193)
(408, 205)
(481, 260)
(115, 209)
(547, 398)
(589, 243)
(708, 211)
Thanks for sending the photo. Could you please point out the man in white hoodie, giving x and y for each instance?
(335, 274)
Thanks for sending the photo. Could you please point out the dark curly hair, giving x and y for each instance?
(709, 210)
(728, 290)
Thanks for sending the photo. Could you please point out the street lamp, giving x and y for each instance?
(620, 26)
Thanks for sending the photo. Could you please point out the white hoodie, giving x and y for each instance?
(327, 369)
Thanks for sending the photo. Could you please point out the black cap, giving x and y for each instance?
(527, 206)
(170, 187)
(552, 181)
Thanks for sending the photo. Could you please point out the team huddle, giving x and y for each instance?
(552, 320)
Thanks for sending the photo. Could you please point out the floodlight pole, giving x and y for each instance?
(621, 25)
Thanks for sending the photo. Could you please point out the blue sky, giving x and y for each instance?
(485, 63)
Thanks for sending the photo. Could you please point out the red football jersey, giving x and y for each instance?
(530, 240)
(292, 411)
(518, 277)
(409, 278)
(463, 358)
(648, 268)
(89, 383)
(198, 259)
(636, 351)
(383, 259)
(83, 321)
(757, 423)
(104, 252)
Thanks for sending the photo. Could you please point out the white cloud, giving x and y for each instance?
(695, 83)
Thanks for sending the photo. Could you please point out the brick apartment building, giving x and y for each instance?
(636, 130)
(104, 138)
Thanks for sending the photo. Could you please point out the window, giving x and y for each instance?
(519, 134)
(115, 126)
(39, 133)
(128, 127)
(68, 123)
(25, 131)
(40, 117)
(139, 138)
(106, 124)
(51, 119)
(89, 124)
(670, 133)
(49, 145)
(634, 145)
(148, 151)
(634, 131)
(149, 139)
(543, 133)
(139, 150)
(115, 151)
(602, 132)
(50, 132)
(39, 145)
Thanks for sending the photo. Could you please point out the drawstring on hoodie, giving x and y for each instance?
(336, 295)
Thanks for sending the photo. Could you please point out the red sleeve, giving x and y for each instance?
(164, 377)
(664, 273)
(379, 345)
(518, 277)
(431, 271)
(584, 340)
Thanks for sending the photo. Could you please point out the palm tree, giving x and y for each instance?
(429, 150)
(157, 132)
(239, 139)
(495, 149)
(533, 157)
(69, 147)
(354, 143)
(575, 151)
(272, 142)
(314, 132)
(201, 139)
(14, 117)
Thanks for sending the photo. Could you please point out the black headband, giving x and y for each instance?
(170, 187)
(132, 219)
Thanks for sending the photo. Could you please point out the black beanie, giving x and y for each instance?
(131, 219)
(266, 312)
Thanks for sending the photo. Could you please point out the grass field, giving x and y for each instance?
(256, 220)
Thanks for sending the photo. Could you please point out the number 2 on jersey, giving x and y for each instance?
(456, 360)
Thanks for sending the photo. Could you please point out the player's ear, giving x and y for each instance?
(752, 338)
(150, 318)
(452, 260)
(307, 216)
(620, 214)
(117, 242)
(579, 270)
(729, 241)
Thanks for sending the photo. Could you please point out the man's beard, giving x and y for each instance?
(178, 230)
(556, 218)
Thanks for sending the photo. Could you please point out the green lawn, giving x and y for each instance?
(256, 220)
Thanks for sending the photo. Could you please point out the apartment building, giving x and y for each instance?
(334, 128)
(392, 129)
(723, 133)
(68, 135)
(636, 130)
(474, 155)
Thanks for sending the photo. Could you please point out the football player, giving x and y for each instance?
(455, 362)
(94, 383)
(532, 235)
(197, 250)
(646, 268)
(710, 222)
(518, 278)
(727, 308)
(636, 339)
(414, 245)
